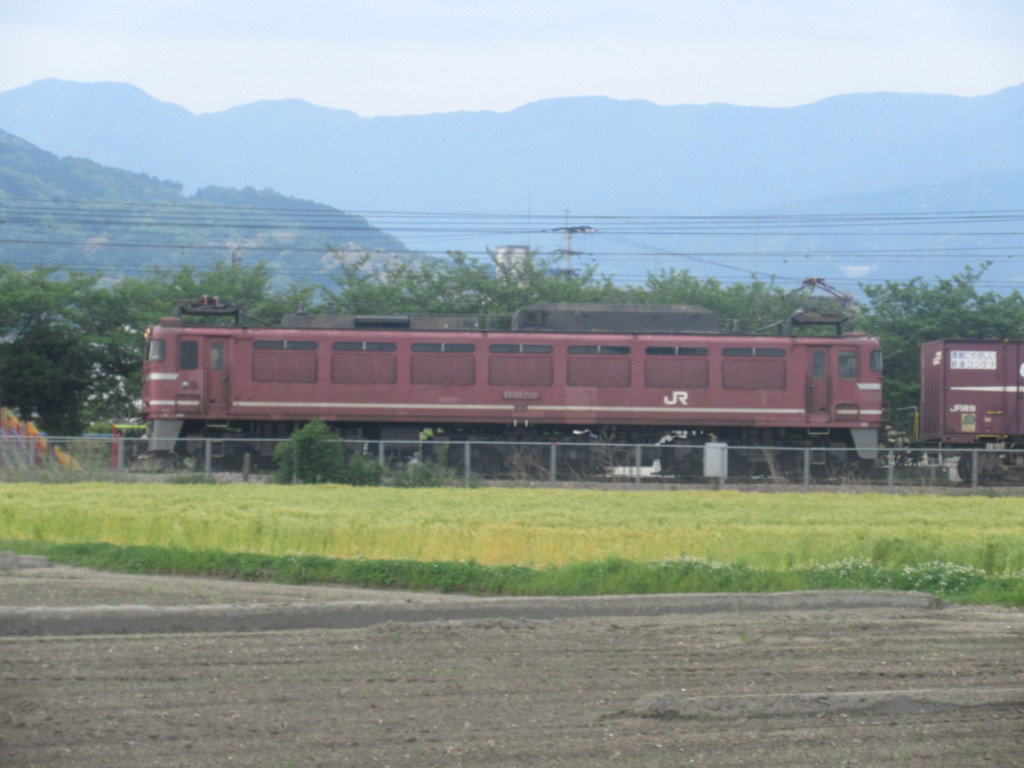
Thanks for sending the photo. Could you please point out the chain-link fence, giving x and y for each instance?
(475, 463)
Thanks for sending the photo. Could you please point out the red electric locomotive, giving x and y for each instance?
(636, 374)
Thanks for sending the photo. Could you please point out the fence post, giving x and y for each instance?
(638, 478)
(467, 461)
(891, 471)
(807, 469)
(552, 463)
(208, 458)
(295, 462)
(974, 469)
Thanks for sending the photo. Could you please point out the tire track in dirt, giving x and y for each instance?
(144, 619)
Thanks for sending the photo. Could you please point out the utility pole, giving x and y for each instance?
(568, 252)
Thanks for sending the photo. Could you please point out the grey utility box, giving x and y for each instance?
(716, 460)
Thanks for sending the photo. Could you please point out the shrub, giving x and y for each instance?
(427, 474)
(317, 454)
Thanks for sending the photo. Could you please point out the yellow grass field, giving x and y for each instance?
(535, 527)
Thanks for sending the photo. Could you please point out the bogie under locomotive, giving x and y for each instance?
(653, 376)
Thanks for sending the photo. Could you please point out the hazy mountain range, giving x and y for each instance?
(860, 154)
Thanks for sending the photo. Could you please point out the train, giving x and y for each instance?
(652, 375)
(972, 395)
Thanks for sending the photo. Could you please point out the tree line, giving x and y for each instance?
(71, 344)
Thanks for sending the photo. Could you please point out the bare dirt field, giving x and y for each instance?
(112, 671)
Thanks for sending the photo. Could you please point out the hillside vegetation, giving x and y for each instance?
(77, 214)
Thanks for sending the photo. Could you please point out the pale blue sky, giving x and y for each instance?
(390, 57)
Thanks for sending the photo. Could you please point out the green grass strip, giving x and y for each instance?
(947, 581)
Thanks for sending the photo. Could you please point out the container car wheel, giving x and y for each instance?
(991, 467)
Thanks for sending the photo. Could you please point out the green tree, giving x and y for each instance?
(51, 363)
(745, 306)
(264, 303)
(46, 373)
(460, 284)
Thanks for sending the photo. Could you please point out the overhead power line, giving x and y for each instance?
(625, 240)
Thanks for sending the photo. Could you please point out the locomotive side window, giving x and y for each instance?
(188, 355)
(685, 351)
(363, 346)
(536, 349)
(847, 365)
(876, 360)
(430, 347)
(157, 350)
(279, 344)
(754, 352)
(594, 349)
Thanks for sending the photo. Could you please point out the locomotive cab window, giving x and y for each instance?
(188, 355)
(847, 365)
(876, 360)
(157, 350)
